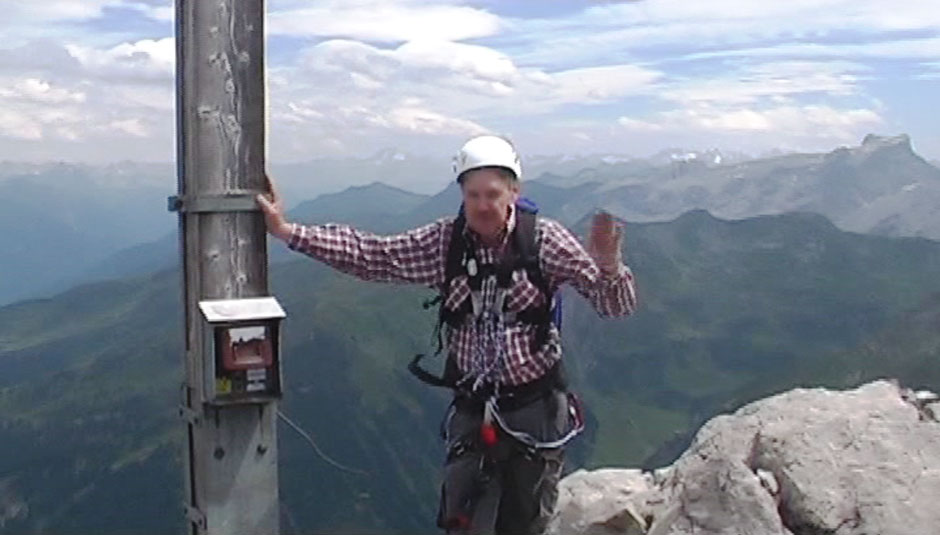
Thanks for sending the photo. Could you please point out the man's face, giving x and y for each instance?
(487, 196)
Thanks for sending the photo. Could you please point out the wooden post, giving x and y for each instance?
(230, 453)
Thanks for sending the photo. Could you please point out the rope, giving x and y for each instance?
(489, 352)
(317, 449)
(529, 440)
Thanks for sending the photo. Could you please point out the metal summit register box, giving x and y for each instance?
(242, 348)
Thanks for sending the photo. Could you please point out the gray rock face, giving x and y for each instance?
(807, 462)
(604, 501)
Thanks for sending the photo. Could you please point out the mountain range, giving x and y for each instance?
(771, 294)
(881, 187)
(59, 220)
(731, 310)
(70, 224)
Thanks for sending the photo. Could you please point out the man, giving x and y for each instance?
(511, 416)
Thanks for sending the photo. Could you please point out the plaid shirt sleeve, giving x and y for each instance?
(564, 260)
(416, 256)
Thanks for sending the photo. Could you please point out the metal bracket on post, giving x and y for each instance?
(195, 516)
(230, 202)
(189, 415)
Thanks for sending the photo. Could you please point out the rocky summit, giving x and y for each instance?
(806, 462)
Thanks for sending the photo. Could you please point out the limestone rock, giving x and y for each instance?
(934, 410)
(603, 502)
(808, 461)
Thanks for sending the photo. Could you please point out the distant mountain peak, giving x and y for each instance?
(900, 144)
(875, 146)
(697, 215)
(379, 187)
(873, 140)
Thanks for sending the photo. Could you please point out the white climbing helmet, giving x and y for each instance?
(487, 151)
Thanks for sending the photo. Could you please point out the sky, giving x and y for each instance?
(93, 80)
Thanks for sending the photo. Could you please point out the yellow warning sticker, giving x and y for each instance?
(223, 385)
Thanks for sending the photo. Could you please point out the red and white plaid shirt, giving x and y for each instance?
(419, 256)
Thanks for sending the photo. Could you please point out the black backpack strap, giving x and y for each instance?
(522, 252)
(527, 249)
(427, 377)
(526, 245)
(453, 266)
(455, 251)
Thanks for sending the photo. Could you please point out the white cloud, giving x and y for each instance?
(87, 101)
(17, 125)
(384, 21)
(428, 122)
(159, 10)
(32, 11)
(133, 127)
(424, 73)
(37, 58)
(778, 80)
(39, 91)
(156, 99)
(599, 84)
(638, 125)
(795, 16)
(921, 48)
(810, 121)
(299, 113)
(749, 129)
(804, 100)
(23, 21)
(637, 28)
(144, 59)
(476, 61)
(37, 119)
(39, 12)
(99, 122)
(464, 79)
(425, 93)
(409, 117)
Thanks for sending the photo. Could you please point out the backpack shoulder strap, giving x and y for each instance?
(526, 244)
(453, 267)
(455, 251)
(453, 263)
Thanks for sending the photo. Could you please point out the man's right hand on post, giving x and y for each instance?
(273, 208)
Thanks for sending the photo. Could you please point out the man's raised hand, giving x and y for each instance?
(604, 242)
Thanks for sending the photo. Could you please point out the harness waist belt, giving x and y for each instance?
(512, 396)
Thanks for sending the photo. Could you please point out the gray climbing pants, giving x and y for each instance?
(507, 488)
